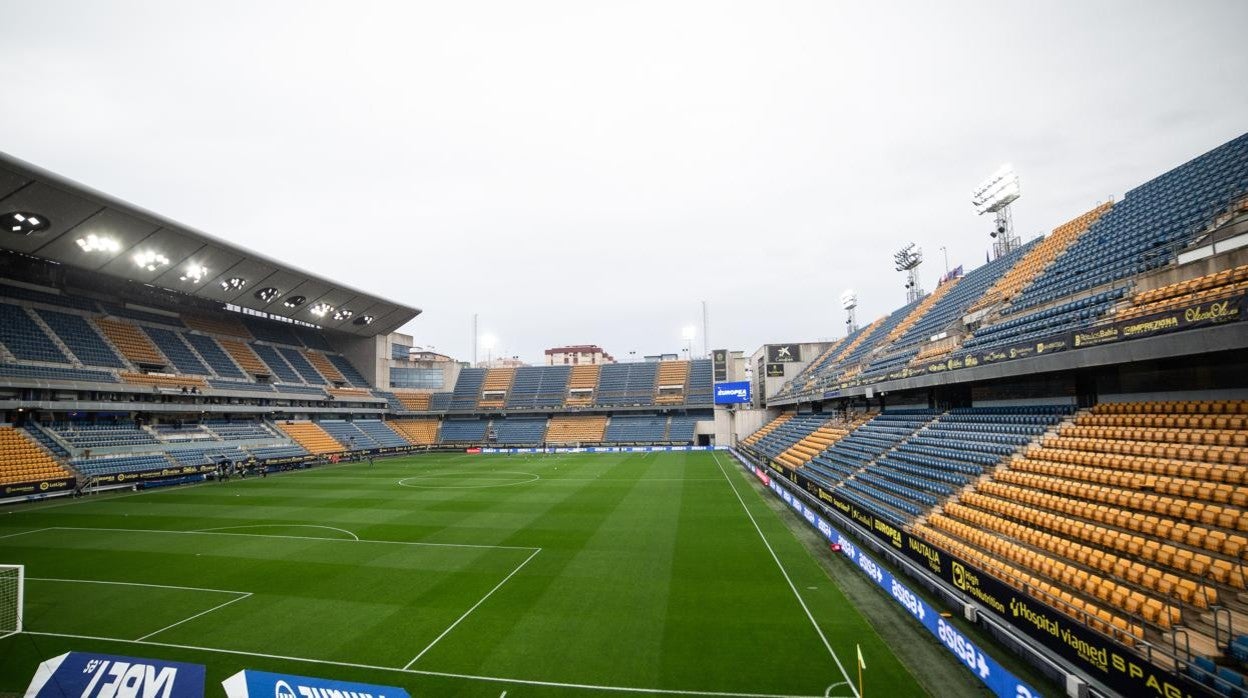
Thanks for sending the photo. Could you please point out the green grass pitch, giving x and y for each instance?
(563, 575)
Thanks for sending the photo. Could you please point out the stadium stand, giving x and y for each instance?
(582, 384)
(226, 324)
(494, 387)
(164, 380)
(348, 372)
(130, 341)
(348, 434)
(55, 373)
(24, 339)
(301, 366)
(576, 429)
(467, 389)
(267, 331)
(212, 354)
(670, 383)
(527, 431)
(680, 429)
(1038, 259)
(1202, 289)
(700, 383)
(326, 368)
(23, 460)
(460, 430)
(414, 402)
(418, 432)
(310, 436)
(636, 428)
(180, 355)
(277, 365)
(245, 357)
(81, 338)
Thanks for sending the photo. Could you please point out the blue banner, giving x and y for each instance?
(262, 684)
(999, 680)
(732, 393)
(87, 675)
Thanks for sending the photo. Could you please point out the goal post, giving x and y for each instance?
(12, 590)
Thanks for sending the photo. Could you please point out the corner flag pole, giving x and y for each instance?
(861, 665)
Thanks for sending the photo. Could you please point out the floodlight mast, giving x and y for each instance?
(908, 259)
(849, 301)
(994, 195)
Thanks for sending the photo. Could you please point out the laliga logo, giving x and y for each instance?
(283, 690)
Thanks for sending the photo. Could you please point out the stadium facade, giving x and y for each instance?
(1056, 441)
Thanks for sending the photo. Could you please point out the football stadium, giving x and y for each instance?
(222, 474)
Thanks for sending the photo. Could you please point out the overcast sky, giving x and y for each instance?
(589, 172)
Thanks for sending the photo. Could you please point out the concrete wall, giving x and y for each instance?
(733, 425)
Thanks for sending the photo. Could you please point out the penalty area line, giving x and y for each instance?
(480, 601)
(426, 672)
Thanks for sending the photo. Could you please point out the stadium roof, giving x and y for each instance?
(65, 213)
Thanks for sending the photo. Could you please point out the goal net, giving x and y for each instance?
(12, 585)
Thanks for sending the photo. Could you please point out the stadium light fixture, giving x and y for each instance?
(321, 309)
(268, 294)
(234, 283)
(998, 191)
(688, 332)
(343, 314)
(194, 273)
(23, 223)
(98, 243)
(295, 301)
(363, 320)
(488, 341)
(849, 299)
(150, 260)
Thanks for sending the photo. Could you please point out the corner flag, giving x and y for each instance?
(861, 665)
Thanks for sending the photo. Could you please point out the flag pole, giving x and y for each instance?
(861, 665)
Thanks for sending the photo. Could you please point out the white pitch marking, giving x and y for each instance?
(22, 533)
(134, 584)
(426, 672)
(246, 595)
(785, 572)
(228, 528)
(270, 535)
(451, 627)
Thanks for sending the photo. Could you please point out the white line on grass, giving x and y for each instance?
(426, 672)
(785, 572)
(22, 533)
(133, 584)
(246, 594)
(271, 535)
(229, 528)
(437, 639)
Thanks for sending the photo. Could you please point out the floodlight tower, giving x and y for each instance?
(908, 259)
(994, 196)
(849, 301)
